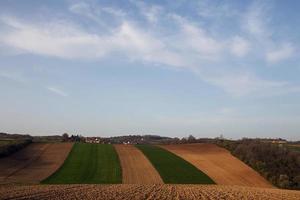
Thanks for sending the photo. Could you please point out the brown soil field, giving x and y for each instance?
(140, 192)
(136, 168)
(219, 164)
(33, 163)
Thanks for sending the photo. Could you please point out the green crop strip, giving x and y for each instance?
(172, 168)
(89, 163)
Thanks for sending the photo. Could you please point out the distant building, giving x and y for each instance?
(279, 141)
(275, 140)
(95, 140)
(127, 142)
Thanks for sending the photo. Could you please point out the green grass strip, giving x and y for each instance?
(89, 163)
(172, 168)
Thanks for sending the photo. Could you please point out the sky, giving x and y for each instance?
(171, 68)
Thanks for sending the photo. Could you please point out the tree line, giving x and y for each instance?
(13, 147)
(276, 162)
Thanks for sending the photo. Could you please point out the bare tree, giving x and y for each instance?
(65, 137)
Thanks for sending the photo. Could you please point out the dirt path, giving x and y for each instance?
(136, 168)
(219, 164)
(33, 163)
(144, 192)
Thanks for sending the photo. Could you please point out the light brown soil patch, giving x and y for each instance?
(34, 163)
(140, 192)
(136, 168)
(219, 164)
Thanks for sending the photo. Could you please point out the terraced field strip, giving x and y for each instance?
(172, 168)
(139, 192)
(89, 163)
(136, 168)
(34, 163)
(219, 164)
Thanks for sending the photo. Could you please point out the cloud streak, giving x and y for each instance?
(14, 76)
(189, 46)
(240, 46)
(277, 55)
(57, 91)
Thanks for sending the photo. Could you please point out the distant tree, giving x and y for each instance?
(65, 137)
(76, 138)
(278, 164)
(260, 165)
(176, 140)
(191, 138)
(183, 140)
(297, 181)
(283, 181)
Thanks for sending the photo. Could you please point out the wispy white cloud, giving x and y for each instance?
(241, 84)
(65, 40)
(255, 20)
(14, 76)
(152, 13)
(96, 13)
(84, 9)
(189, 46)
(284, 52)
(257, 23)
(209, 9)
(57, 91)
(239, 46)
(57, 38)
(196, 39)
(114, 11)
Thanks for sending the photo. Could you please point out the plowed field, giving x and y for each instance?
(140, 192)
(136, 168)
(34, 163)
(219, 164)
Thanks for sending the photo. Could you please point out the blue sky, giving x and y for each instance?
(171, 68)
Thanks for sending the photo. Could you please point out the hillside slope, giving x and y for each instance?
(219, 164)
(33, 163)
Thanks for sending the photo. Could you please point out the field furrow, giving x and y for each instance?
(144, 192)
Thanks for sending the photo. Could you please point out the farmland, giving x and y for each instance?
(139, 192)
(5, 142)
(294, 147)
(10, 146)
(33, 163)
(276, 163)
(134, 165)
(172, 168)
(96, 170)
(219, 164)
(89, 163)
